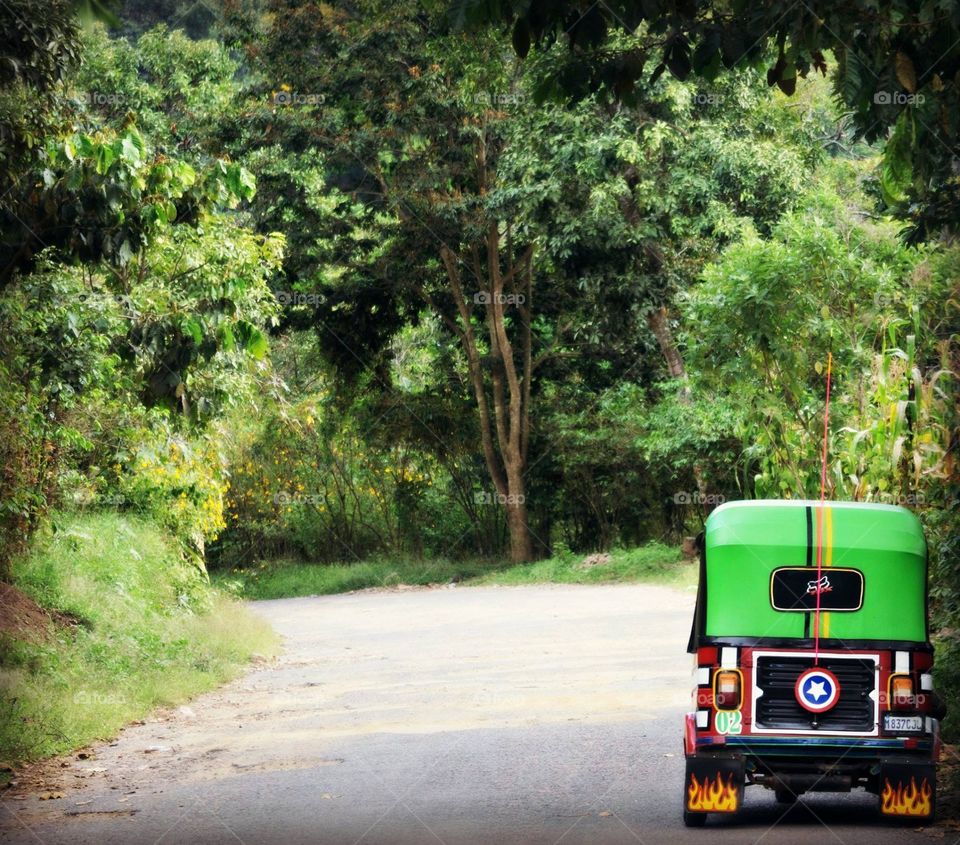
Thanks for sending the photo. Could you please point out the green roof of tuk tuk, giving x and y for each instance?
(746, 541)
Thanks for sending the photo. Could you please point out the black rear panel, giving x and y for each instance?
(778, 708)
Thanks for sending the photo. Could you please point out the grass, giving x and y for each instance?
(150, 631)
(653, 562)
(286, 578)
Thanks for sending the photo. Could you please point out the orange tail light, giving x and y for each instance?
(727, 690)
(901, 692)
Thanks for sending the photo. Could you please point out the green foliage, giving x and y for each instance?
(895, 68)
(145, 630)
(763, 322)
(180, 482)
(58, 353)
(102, 192)
(86, 362)
(679, 433)
(324, 481)
(285, 578)
(197, 20)
(180, 89)
(371, 165)
(40, 42)
(199, 304)
(127, 290)
(106, 196)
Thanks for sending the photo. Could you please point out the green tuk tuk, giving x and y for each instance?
(813, 667)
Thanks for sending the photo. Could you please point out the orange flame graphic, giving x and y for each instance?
(908, 801)
(712, 796)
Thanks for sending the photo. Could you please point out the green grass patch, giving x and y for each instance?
(150, 631)
(287, 578)
(653, 562)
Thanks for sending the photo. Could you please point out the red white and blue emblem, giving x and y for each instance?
(817, 690)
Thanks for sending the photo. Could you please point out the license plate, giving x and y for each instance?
(902, 724)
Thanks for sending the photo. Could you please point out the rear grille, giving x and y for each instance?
(778, 708)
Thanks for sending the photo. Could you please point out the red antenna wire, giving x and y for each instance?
(820, 519)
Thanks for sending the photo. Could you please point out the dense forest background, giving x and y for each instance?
(330, 282)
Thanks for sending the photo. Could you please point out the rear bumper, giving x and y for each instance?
(819, 747)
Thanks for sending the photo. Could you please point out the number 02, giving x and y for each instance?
(728, 723)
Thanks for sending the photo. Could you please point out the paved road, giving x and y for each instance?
(454, 716)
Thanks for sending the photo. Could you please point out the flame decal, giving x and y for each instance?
(908, 801)
(712, 796)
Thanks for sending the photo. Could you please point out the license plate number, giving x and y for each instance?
(903, 724)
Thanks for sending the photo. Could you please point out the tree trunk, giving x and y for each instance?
(502, 392)
(521, 542)
(660, 326)
(502, 381)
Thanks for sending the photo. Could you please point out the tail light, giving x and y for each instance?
(901, 692)
(727, 689)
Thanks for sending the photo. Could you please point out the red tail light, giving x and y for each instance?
(727, 689)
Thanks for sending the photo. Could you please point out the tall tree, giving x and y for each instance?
(409, 141)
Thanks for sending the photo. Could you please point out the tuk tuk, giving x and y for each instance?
(813, 666)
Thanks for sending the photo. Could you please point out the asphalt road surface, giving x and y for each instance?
(547, 714)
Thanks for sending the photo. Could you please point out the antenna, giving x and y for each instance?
(820, 516)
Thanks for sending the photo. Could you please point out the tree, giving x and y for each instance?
(896, 67)
(425, 178)
(410, 159)
(123, 284)
(766, 317)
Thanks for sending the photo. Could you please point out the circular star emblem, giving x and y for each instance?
(817, 690)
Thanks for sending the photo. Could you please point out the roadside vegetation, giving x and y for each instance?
(287, 578)
(128, 626)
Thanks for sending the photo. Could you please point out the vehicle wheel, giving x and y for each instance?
(784, 796)
(694, 819)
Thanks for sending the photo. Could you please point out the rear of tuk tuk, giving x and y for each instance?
(813, 668)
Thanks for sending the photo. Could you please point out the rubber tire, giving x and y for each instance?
(694, 819)
(784, 796)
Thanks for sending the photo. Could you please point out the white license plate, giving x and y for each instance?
(902, 724)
